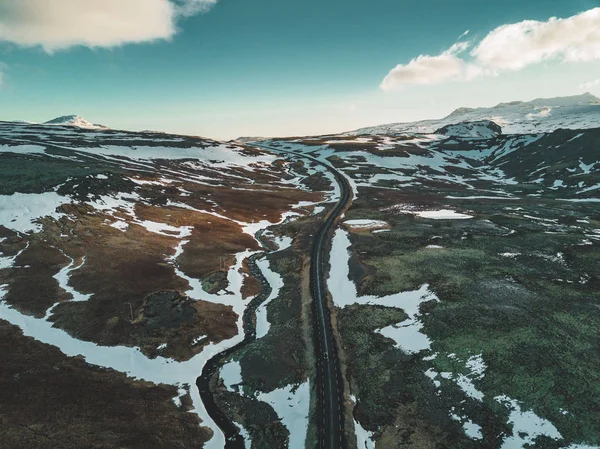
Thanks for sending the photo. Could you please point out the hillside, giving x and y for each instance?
(536, 116)
(461, 278)
(132, 252)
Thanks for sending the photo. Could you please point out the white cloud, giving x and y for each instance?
(508, 47)
(189, 8)
(426, 69)
(515, 46)
(59, 24)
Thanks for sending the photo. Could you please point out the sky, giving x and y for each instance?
(229, 68)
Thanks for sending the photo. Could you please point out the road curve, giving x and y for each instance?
(330, 387)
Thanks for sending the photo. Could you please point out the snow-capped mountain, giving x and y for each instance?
(517, 117)
(73, 120)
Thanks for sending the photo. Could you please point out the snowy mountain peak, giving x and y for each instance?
(574, 100)
(515, 117)
(73, 120)
(483, 129)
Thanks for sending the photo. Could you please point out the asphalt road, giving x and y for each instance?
(330, 387)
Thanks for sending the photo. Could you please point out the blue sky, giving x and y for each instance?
(276, 67)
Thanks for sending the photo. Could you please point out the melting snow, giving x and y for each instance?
(292, 405)
(443, 214)
(526, 426)
(407, 335)
(366, 223)
(22, 149)
(364, 438)
(231, 373)
(472, 430)
(63, 277)
(19, 211)
(276, 282)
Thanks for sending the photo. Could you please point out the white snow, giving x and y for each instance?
(122, 201)
(472, 430)
(22, 149)
(364, 438)
(443, 214)
(481, 197)
(586, 168)
(165, 229)
(63, 277)
(511, 255)
(291, 404)
(19, 211)
(231, 373)
(466, 385)
(199, 339)
(537, 116)
(9, 261)
(581, 446)
(276, 282)
(181, 392)
(215, 157)
(474, 130)
(366, 224)
(526, 425)
(73, 120)
(120, 225)
(407, 335)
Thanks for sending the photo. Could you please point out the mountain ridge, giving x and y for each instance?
(515, 117)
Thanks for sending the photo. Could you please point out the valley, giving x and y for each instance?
(424, 285)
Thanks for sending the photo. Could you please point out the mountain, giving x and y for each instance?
(74, 120)
(517, 117)
(484, 129)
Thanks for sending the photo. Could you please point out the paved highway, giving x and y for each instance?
(330, 387)
(329, 384)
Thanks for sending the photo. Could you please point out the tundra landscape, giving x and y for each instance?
(164, 285)
(299, 225)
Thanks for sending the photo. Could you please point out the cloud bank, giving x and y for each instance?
(506, 48)
(60, 24)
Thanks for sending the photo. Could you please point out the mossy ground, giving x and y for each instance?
(518, 284)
